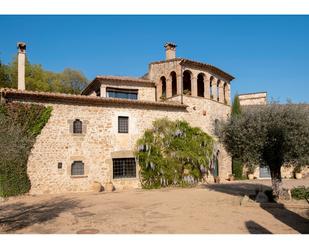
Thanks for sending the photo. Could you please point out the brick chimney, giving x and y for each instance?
(170, 51)
(21, 46)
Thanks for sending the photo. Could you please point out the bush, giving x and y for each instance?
(173, 153)
(19, 126)
(237, 169)
(300, 193)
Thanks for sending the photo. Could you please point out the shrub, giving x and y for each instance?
(237, 169)
(19, 126)
(300, 193)
(173, 153)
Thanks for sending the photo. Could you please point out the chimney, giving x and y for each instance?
(170, 51)
(21, 46)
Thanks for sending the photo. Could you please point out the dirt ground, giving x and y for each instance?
(207, 209)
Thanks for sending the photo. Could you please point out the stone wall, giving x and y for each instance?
(100, 142)
(253, 99)
(286, 172)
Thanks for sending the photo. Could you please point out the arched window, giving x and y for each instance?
(218, 90)
(174, 83)
(163, 84)
(211, 87)
(77, 168)
(187, 82)
(77, 126)
(200, 85)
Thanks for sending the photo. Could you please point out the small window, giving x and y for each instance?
(59, 165)
(77, 168)
(124, 168)
(77, 126)
(123, 124)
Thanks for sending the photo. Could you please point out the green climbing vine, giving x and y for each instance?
(173, 153)
(19, 126)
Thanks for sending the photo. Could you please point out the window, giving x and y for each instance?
(124, 168)
(121, 93)
(123, 124)
(77, 126)
(77, 168)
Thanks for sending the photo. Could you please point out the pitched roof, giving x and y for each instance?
(14, 94)
(209, 67)
(110, 78)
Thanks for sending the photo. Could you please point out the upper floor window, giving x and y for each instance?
(77, 168)
(77, 126)
(123, 124)
(121, 93)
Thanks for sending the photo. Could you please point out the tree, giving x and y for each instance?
(4, 75)
(72, 81)
(237, 164)
(38, 79)
(273, 134)
(236, 109)
(173, 153)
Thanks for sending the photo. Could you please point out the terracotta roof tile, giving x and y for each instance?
(9, 93)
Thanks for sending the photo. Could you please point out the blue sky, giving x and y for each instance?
(264, 53)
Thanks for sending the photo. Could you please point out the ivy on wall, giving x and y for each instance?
(173, 153)
(19, 126)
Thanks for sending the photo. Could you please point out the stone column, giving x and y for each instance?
(193, 85)
(168, 87)
(228, 93)
(221, 94)
(214, 89)
(206, 87)
(179, 81)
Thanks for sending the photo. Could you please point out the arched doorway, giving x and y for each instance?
(187, 82)
(174, 83)
(200, 85)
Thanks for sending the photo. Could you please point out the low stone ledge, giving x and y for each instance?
(76, 177)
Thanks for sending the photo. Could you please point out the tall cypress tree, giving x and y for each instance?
(236, 109)
(237, 165)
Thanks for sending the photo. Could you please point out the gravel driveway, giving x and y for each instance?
(211, 208)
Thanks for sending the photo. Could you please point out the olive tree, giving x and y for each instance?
(273, 134)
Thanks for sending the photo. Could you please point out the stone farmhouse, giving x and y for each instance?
(91, 137)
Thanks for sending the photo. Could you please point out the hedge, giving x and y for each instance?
(19, 126)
